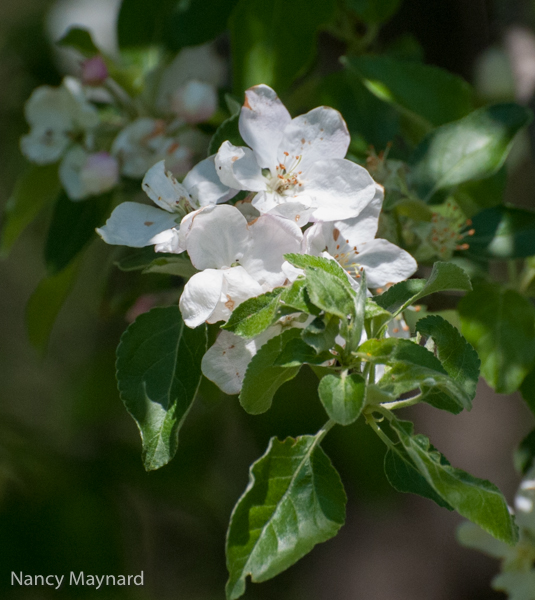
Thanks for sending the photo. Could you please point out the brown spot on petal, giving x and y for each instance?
(336, 233)
(148, 223)
(246, 103)
(230, 303)
(173, 147)
(302, 140)
(234, 158)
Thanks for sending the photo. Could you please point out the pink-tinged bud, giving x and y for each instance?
(100, 172)
(94, 71)
(195, 102)
(142, 305)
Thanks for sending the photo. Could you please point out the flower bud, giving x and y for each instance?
(195, 102)
(94, 71)
(100, 172)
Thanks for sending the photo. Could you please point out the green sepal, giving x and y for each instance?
(79, 39)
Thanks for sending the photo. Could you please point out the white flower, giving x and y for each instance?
(517, 578)
(296, 166)
(143, 143)
(55, 116)
(83, 174)
(238, 260)
(352, 243)
(137, 225)
(188, 86)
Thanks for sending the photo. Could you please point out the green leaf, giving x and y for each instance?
(473, 498)
(444, 277)
(405, 477)
(196, 22)
(474, 196)
(456, 355)
(422, 92)
(72, 227)
(80, 39)
(302, 261)
(45, 303)
(273, 43)
(297, 352)
(138, 259)
(255, 315)
(375, 316)
(329, 293)
(296, 298)
(525, 453)
(373, 12)
(142, 23)
(37, 187)
(321, 333)
(500, 324)
(228, 130)
(343, 396)
(263, 378)
(158, 374)
(413, 366)
(503, 232)
(527, 389)
(179, 266)
(474, 147)
(294, 500)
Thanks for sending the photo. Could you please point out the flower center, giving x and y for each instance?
(286, 178)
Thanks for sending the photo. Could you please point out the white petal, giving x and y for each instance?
(195, 101)
(239, 286)
(263, 118)
(44, 146)
(320, 134)
(69, 173)
(218, 237)
(237, 168)
(163, 189)
(299, 212)
(201, 295)
(135, 225)
(385, 263)
(316, 238)
(363, 227)
(339, 189)
(227, 360)
(272, 237)
(196, 62)
(204, 185)
(83, 174)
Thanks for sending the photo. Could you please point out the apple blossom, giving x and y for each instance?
(83, 174)
(143, 143)
(56, 115)
(188, 86)
(352, 243)
(137, 225)
(295, 166)
(237, 259)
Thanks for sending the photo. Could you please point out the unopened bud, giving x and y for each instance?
(195, 102)
(94, 71)
(100, 172)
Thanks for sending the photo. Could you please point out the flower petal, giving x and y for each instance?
(163, 189)
(318, 135)
(237, 168)
(204, 185)
(263, 118)
(218, 237)
(227, 360)
(339, 189)
(201, 295)
(239, 286)
(135, 225)
(272, 237)
(362, 228)
(385, 263)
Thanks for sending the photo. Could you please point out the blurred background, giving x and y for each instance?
(73, 492)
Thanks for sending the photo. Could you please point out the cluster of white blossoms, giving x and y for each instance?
(296, 177)
(125, 135)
